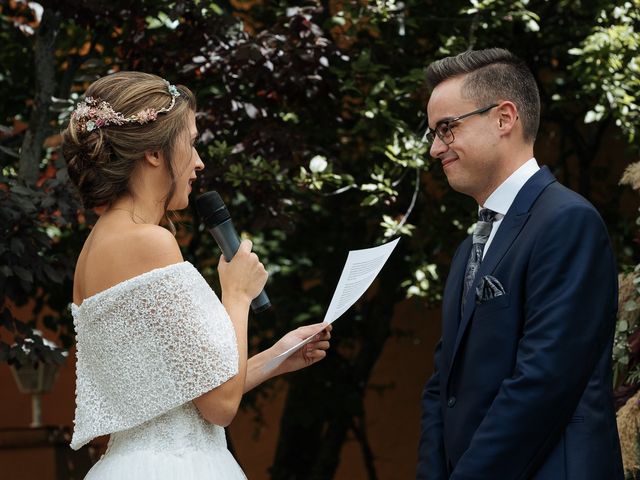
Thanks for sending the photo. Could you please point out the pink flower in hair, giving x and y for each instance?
(146, 115)
(93, 113)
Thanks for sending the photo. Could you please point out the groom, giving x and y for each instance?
(522, 381)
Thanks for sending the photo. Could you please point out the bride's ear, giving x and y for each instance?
(153, 157)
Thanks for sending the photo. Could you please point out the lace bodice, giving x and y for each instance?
(179, 431)
(145, 347)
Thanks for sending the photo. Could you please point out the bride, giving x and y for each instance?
(161, 361)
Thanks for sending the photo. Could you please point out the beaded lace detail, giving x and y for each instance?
(147, 346)
(180, 431)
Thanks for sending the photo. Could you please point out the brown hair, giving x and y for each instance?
(493, 75)
(100, 162)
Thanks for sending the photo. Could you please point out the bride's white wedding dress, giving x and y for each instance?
(146, 347)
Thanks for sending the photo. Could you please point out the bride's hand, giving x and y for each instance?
(244, 276)
(312, 352)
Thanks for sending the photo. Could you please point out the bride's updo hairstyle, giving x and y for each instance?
(124, 115)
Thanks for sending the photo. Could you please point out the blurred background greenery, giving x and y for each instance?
(311, 117)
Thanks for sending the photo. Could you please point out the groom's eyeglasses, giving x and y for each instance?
(444, 128)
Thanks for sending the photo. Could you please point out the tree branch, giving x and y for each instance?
(360, 430)
(45, 86)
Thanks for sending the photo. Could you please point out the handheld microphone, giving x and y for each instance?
(217, 219)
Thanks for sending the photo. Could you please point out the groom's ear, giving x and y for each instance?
(507, 117)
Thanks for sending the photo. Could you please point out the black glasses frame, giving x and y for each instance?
(443, 129)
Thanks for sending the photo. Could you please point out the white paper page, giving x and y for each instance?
(358, 273)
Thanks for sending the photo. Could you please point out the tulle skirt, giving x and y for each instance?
(148, 465)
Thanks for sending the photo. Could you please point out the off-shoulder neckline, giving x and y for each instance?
(126, 283)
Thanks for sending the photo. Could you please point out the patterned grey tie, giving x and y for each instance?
(481, 234)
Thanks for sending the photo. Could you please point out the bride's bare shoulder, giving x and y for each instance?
(151, 243)
(113, 255)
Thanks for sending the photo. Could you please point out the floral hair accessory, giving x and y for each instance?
(94, 113)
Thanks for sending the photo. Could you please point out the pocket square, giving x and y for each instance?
(488, 287)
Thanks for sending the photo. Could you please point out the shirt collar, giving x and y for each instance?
(502, 197)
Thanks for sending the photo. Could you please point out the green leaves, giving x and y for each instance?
(32, 350)
(420, 285)
(393, 227)
(608, 67)
(36, 261)
(162, 20)
(625, 351)
(311, 124)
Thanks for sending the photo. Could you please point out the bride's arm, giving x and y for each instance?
(241, 280)
(309, 354)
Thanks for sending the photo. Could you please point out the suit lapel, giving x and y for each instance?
(509, 229)
(452, 298)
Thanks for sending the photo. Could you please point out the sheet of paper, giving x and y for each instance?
(358, 273)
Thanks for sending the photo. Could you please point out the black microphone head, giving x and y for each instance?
(212, 209)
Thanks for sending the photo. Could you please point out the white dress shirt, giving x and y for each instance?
(502, 197)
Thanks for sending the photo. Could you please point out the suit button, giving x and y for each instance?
(451, 402)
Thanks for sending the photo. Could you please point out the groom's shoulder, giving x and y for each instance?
(559, 207)
(560, 200)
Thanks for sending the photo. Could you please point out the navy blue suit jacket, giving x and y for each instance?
(522, 387)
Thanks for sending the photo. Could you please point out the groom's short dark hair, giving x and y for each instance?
(493, 74)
